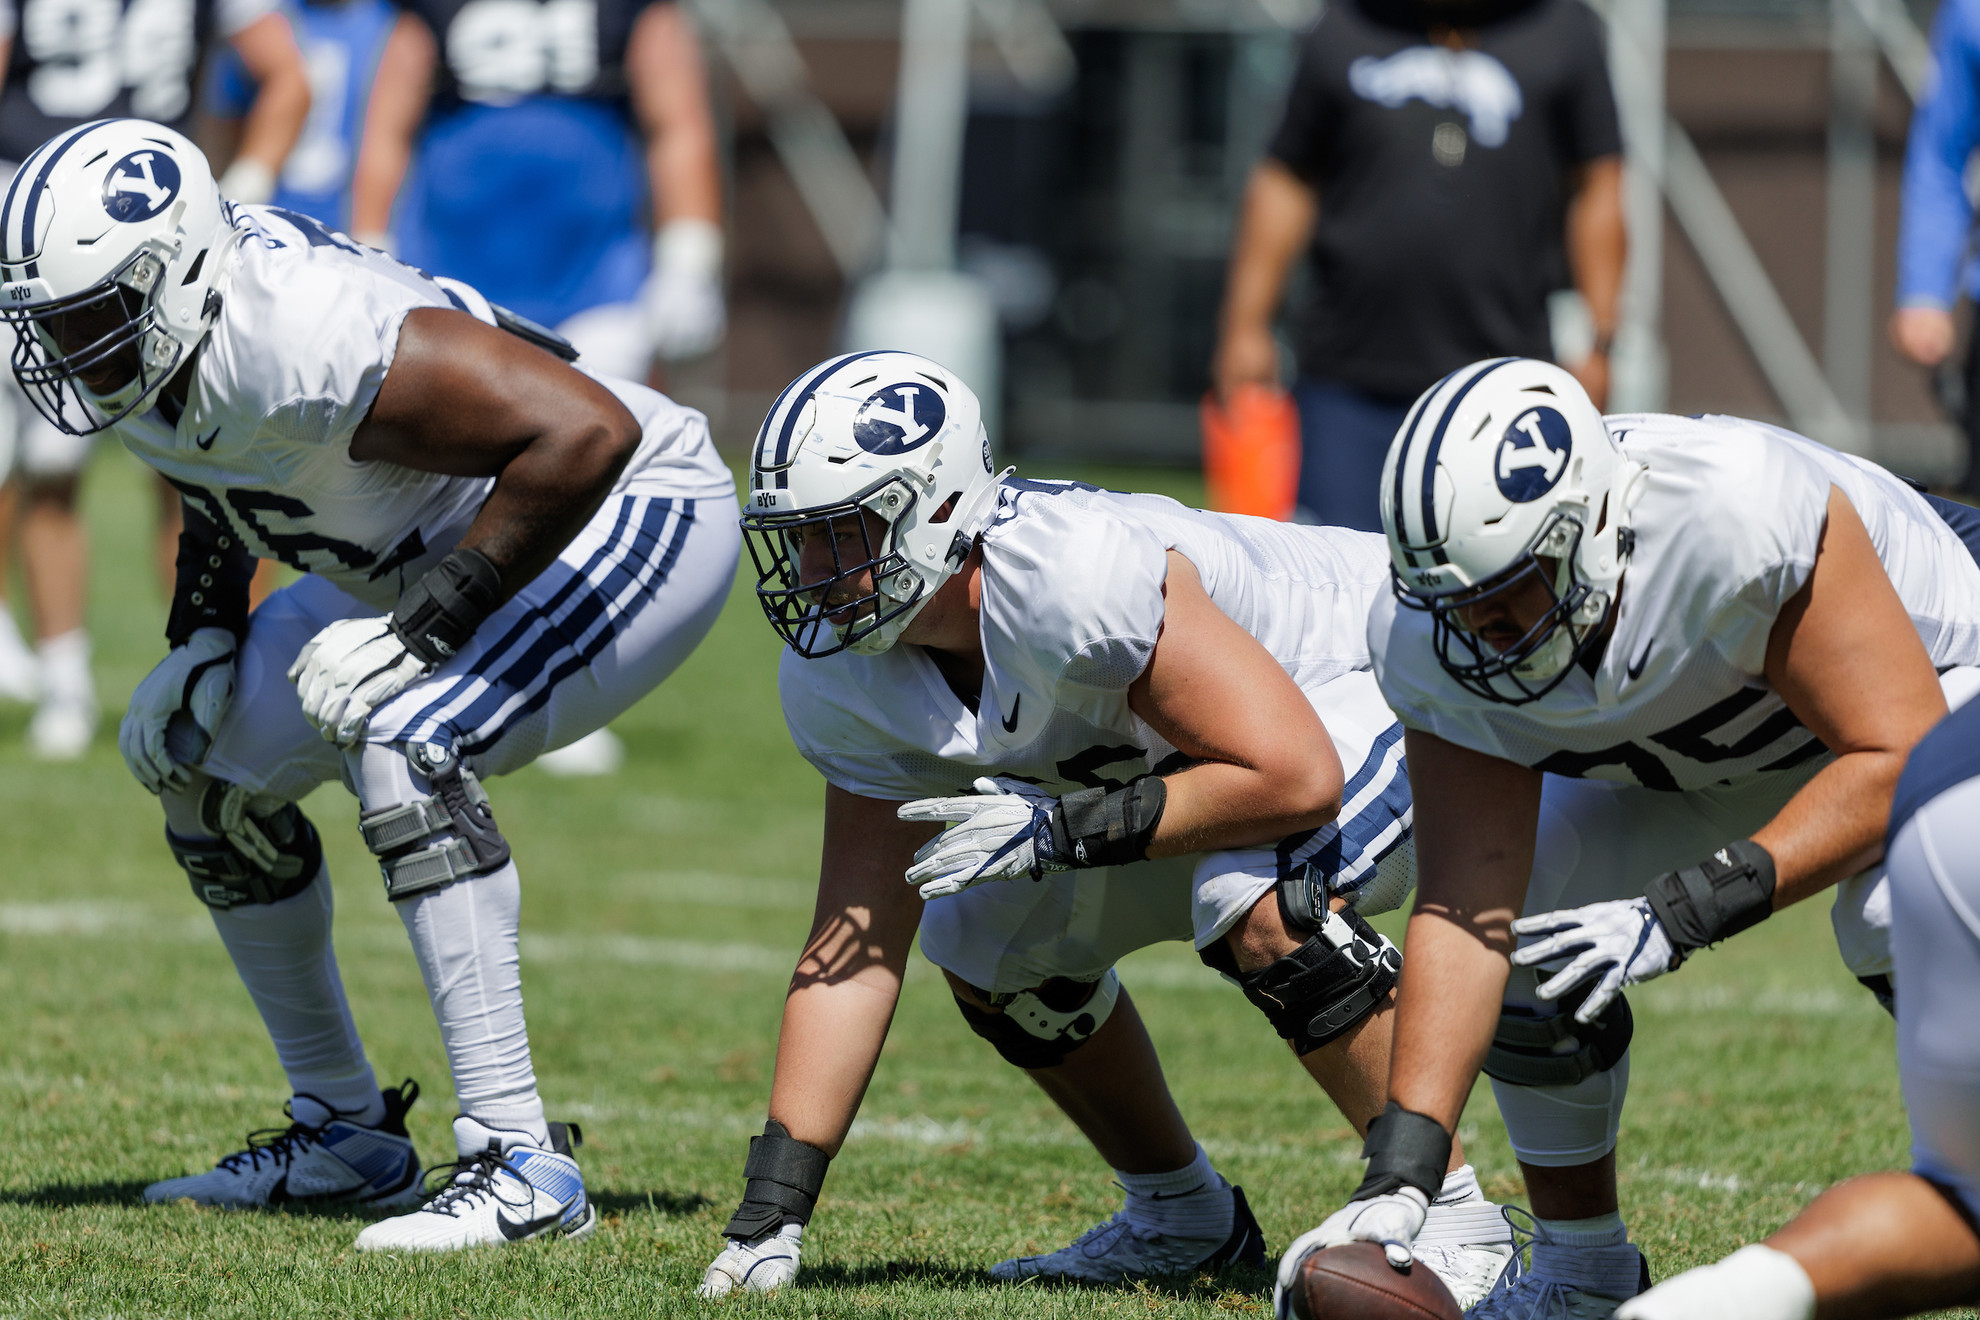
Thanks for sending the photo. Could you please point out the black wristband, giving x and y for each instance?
(1108, 827)
(1723, 895)
(1404, 1149)
(785, 1176)
(437, 614)
(211, 586)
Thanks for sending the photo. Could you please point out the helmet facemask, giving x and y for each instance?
(113, 326)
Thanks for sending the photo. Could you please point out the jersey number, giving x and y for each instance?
(503, 50)
(86, 51)
(1690, 740)
(293, 548)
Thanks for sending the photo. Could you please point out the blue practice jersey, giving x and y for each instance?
(1937, 214)
(530, 180)
(341, 44)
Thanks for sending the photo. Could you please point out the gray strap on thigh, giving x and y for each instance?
(1557, 1050)
(457, 819)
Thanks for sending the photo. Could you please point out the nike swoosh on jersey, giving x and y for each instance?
(1010, 725)
(516, 1231)
(206, 441)
(1635, 671)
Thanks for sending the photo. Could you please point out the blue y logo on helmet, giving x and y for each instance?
(897, 418)
(140, 186)
(1533, 453)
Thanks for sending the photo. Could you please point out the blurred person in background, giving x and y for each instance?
(68, 62)
(561, 158)
(1441, 158)
(1934, 260)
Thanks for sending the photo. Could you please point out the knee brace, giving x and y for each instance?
(1556, 1050)
(1324, 988)
(434, 841)
(266, 849)
(1039, 1028)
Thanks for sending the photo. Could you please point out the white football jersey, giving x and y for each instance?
(1726, 533)
(1071, 609)
(307, 330)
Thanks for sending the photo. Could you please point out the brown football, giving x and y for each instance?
(1356, 1282)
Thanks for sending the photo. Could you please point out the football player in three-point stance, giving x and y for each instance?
(1659, 677)
(502, 553)
(1144, 723)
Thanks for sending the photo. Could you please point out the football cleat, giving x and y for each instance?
(762, 1265)
(1119, 1249)
(508, 1190)
(336, 1160)
(1537, 1294)
(1471, 1271)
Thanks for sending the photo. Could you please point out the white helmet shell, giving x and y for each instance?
(887, 432)
(119, 207)
(1498, 467)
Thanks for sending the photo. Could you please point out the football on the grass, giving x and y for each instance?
(1356, 1282)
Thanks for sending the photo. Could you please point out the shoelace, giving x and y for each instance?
(468, 1180)
(1546, 1297)
(277, 1145)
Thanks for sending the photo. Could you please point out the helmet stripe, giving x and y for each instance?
(1408, 433)
(804, 386)
(1430, 535)
(32, 201)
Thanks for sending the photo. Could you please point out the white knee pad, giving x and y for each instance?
(1562, 1126)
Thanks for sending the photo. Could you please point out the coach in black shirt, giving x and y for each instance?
(1453, 162)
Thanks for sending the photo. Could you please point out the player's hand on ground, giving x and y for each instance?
(1392, 1219)
(349, 670)
(1002, 832)
(1621, 942)
(758, 1265)
(195, 684)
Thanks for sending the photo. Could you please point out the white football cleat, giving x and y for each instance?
(1117, 1249)
(1467, 1241)
(332, 1159)
(508, 1190)
(1471, 1271)
(762, 1265)
(61, 730)
(597, 753)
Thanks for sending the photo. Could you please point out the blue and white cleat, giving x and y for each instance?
(503, 1189)
(1118, 1249)
(321, 1157)
(762, 1264)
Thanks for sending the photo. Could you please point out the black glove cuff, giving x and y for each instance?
(1108, 827)
(785, 1176)
(211, 588)
(1723, 895)
(1404, 1149)
(437, 615)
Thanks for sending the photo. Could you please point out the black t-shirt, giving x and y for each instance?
(495, 52)
(1442, 176)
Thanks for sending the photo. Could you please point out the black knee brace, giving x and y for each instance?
(257, 856)
(1556, 1050)
(1039, 1028)
(785, 1176)
(456, 825)
(1324, 988)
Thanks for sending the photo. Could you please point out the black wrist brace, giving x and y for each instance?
(1404, 1149)
(211, 589)
(785, 1176)
(437, 614)
(1108, 827)
(1720, 896)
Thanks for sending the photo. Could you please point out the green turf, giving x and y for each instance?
(663, 908)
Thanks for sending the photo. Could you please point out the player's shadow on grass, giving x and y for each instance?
(1241, 1279)
(659, 1203)
(68, 1194)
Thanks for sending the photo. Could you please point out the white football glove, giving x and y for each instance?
(1002, 833)
(1392, 1219)
(1621, 941)
(759, 1266)
(187, 692)
(682, 297)
(349, 670)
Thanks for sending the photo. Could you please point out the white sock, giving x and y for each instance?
(1191, 1202)
(1754, 1283)
(1461, 1216)
(1591, 1254)
(65, 668)
(284, 956)
(465, 939)
(13, 649)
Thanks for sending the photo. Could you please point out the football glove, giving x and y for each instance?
(1621, 942)
(349, 670)
(682, 297)
(186, 693)
(758, 1265)
(1392, 1219)
(1001, 833)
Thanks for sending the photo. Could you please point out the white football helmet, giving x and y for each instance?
(113, 243)
(1504, 470)
(884, 432)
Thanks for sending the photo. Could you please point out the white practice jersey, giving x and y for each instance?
(1726, 533)
(1072, 606)
(307, 330)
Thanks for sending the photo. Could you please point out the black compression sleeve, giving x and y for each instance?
(437, 614)
(1404, 1149)
(785, 1176)
(211, 589)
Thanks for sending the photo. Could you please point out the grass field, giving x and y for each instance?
(662, 912)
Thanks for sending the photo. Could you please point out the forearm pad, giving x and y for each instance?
(1108, 827)
(785, 1176)
(439, 613)
(1404, 1149)
(1723, 895)
(211, 589)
